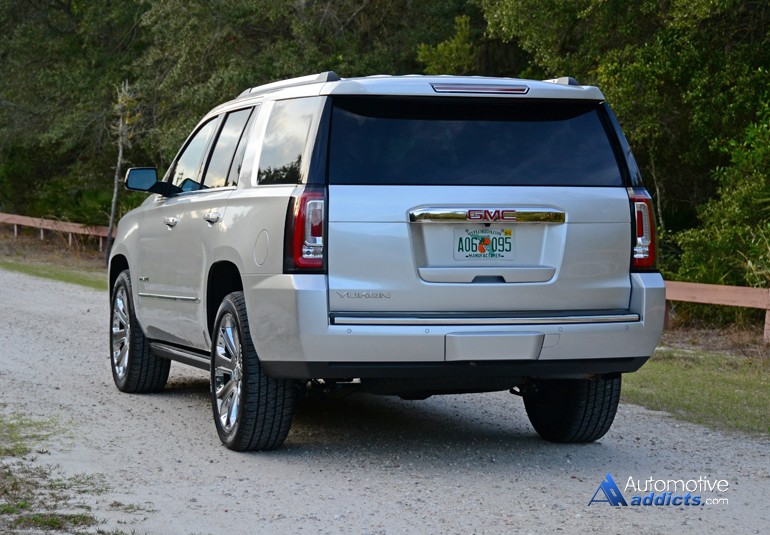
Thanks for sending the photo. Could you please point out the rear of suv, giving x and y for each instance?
(403, 235)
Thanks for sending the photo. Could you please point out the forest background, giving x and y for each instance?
(688, 79)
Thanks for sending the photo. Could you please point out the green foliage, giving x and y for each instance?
(732, 245)
(62, 62)
(454, 56)
(681, 75)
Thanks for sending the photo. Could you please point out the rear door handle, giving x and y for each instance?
(212, 217)
(170, 221)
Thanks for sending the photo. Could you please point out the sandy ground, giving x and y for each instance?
(362, 464)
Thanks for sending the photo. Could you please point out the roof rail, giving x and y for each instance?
(328, 76)
(563, 80)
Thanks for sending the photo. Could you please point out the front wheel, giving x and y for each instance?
(573, 410)
(135, 368)
(251, 410)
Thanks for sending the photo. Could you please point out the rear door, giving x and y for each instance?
(470, 208)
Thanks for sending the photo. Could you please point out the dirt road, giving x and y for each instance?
(362, 464)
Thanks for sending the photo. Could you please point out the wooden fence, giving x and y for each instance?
(715, 294)
(710, 294)
(56, 226)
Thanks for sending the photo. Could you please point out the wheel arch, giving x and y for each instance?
(118, 264)
(223, 278)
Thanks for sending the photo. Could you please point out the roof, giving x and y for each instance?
(329, 83)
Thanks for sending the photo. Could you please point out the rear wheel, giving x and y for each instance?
(135, 369)
(573, 410)
(251, 410)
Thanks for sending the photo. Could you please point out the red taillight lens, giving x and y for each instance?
(643, 253)
(305, 227)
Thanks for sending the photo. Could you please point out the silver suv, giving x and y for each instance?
(402, 235)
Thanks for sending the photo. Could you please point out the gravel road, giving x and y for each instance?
(360, 464)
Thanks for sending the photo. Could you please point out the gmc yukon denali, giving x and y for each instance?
(401, 235)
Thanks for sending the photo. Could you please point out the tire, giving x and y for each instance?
(251, 410)
(573, 410)
(135, 369)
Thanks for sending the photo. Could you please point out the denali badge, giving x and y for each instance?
(491, 215)
(364, 295)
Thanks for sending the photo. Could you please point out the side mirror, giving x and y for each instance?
(146, 179)
(141, 178)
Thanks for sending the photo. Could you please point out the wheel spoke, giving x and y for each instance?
(231, 342)
(224, 411)
(225, 388)
(119, 336)
(120, 311)
(222, 362)
(234, 409)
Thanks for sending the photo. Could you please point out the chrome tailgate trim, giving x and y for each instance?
(342, 319)
(465, 214)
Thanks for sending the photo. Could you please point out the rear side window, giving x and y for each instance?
(285, 141)
(224, 150)
(488, 142)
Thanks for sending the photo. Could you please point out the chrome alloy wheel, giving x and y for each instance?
(121, 332)
(228, 373)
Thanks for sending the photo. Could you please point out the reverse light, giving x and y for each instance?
(305, 232)
(643, 252)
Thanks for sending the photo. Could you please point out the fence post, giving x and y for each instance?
(767, 326)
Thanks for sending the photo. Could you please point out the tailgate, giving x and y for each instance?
(422, 249)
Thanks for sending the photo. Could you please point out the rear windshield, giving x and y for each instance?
(486, 141)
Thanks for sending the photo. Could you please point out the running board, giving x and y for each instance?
(185, 356)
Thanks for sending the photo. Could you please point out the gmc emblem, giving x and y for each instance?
(491, 215)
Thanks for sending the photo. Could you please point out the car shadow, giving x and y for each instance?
(365, 428)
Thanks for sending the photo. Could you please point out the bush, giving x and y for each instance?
(732, 245)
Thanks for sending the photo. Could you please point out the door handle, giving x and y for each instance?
(170, 221)
(212, 217)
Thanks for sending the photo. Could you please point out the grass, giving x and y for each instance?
(19, 435)
(34, 498)
(721, 391)
(55, 522)
(53, 258)
(90, 278)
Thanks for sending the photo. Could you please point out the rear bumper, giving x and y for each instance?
(510, 372)
(295, 338)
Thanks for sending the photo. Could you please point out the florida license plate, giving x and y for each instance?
(483, 244)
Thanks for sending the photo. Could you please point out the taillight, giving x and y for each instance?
(643, 254)
(305, 232)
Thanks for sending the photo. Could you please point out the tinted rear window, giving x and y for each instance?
(470, 142)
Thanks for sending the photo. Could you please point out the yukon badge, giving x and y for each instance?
(364, 295)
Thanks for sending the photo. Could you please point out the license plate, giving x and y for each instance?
(483, 244)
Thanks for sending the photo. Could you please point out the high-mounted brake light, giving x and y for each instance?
(643, 252)
(480, 88)
(305, 232)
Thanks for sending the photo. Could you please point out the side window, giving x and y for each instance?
(285, 140)
(189, 162)
(218, 169)
(240, 151)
